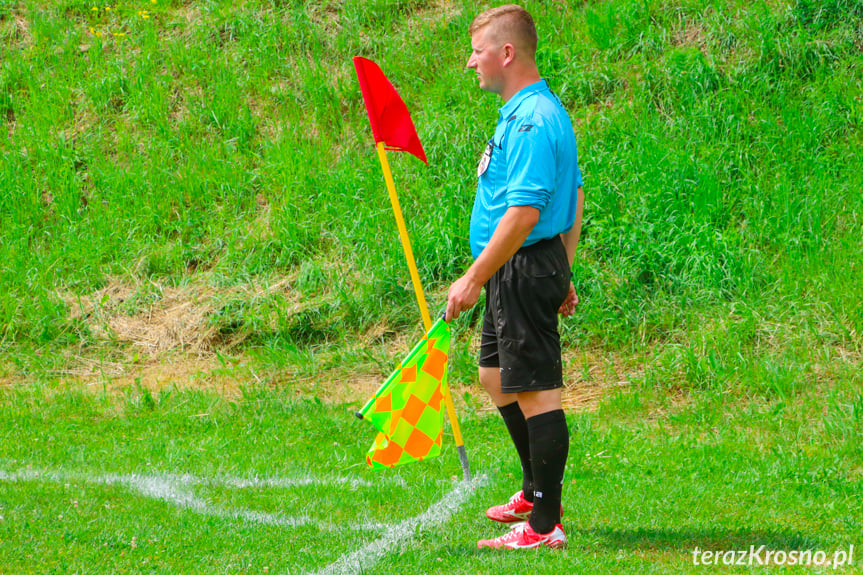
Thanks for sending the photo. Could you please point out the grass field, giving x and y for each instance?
(200, 278)
(188, 482)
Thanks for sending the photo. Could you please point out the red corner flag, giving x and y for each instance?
(388, 115)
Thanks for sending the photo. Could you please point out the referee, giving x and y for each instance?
(524, 230)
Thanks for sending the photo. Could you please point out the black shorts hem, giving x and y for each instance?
(530, 387)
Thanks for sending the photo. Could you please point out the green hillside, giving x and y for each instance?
(222, 147)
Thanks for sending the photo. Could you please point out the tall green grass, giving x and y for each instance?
(226, 142)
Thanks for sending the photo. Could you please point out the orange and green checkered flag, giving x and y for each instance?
(408, 407)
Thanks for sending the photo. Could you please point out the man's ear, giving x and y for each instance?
(508, 54)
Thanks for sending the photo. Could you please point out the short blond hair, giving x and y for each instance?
(512, 24)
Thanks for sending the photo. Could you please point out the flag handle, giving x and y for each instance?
(421, 300)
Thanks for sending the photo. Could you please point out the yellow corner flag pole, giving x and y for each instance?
(403, 234)
(421, 300)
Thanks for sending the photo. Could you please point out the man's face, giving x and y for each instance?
(487, 58)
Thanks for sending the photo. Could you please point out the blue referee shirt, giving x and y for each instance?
(530, 161)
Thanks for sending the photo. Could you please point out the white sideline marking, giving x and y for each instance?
(168, 491)
(26, 475)
(173, 489)
(364, 559)
(303, 481)
(223, 480)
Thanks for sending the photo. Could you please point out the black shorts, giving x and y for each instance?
(519, 330)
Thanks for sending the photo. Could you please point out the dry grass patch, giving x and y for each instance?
(691, 34)
(169, 318)
(181, 371)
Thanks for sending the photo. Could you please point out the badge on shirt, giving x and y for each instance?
(484, 161)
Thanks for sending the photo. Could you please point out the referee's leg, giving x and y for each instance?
(489, 377)
(537, 402)
(513, 418)
(549, 448)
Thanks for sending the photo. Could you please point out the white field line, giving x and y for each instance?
(362, 560)
(237, 482)
(172, 492)
(29, 475)
(174, 489)
(278, 482)
(304, 481)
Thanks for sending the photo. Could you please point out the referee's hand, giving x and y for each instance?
(462, 295)
(567, 308)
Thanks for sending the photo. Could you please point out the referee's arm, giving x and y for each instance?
(508, 237)
(570, 238)
(570, 242)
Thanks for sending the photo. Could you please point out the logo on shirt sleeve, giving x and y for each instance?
(526, 128)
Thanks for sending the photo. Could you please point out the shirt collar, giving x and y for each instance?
(512, 105)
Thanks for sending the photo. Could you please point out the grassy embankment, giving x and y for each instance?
(219, 155)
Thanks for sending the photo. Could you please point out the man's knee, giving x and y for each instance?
(489, 377)
(537, 402)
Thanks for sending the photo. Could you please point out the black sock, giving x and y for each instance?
(549, 448)
(517, 427)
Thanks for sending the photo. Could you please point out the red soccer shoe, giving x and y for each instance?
(522, 536)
